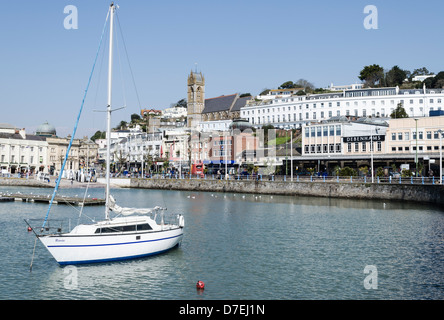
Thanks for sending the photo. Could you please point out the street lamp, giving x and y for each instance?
(416, 157)
(441, 134)
(371, 151)
(291, 155)
(226, 153)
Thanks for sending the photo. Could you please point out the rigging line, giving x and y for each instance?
(83, 203)
(121, 73)
(75, 127)
(99, 77)
(129, 64)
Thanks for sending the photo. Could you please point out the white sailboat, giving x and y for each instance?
(133, 233)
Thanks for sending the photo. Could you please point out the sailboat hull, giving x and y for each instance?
(72, 249)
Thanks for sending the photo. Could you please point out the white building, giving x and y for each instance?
(174, 112)
(354, 86)
(21, 152)
(215, 125)
(294, 111)
(133, 147)
(422, 77)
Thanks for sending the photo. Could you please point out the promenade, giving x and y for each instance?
(421, 190)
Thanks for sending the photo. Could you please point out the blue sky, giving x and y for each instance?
(240, 46)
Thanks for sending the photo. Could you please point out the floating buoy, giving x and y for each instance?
(29, 229)
(200, 285)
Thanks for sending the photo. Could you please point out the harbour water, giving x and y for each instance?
(242, 246)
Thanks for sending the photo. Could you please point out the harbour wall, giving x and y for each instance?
(21, 182)
(402, 192)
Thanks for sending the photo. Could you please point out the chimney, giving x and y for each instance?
(22, 133)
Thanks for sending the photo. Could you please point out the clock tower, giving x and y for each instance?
(196, 99)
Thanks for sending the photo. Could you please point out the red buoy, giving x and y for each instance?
(29, 229)
(200, 285)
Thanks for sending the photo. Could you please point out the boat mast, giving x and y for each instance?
(108, 111)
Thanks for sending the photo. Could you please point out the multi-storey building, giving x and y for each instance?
(21, 152)
(294, 111)
(411, 142)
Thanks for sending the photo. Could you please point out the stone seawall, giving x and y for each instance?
(21, 182)
(404, 192)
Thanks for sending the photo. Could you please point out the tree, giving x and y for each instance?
(135, 117)
(181, 103)
(264, 92)
(122, 125)
(395, 76)
(372, 75)
(436, 81)
(399, 112)
(420, 72)
(287, 85)
(302, 83)
(98, 135)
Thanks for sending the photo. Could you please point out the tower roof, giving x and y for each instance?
(195, 77)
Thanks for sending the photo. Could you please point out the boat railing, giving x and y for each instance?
(162, 218)
(52, 226)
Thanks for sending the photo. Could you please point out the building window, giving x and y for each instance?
(393, 136)
(379, 145)
(407, 136)
(400, 136)
(429, 134)
(364, 149)
(338, 148)
(356, 147)
(349, 147)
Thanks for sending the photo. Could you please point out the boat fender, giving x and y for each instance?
(200, 285)
(181, 221)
